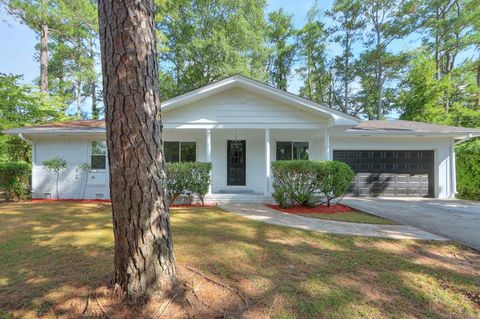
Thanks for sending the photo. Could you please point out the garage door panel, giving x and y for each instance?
(390, 173)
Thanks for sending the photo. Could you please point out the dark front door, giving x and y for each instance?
(390, 173)
(236, 163)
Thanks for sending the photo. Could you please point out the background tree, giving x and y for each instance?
(281, 33)
(74, 53)
(387, 20)
(348, 24)
(21, 105)
(40, 16)
(313, 70)
(144, 259)
(204, 41)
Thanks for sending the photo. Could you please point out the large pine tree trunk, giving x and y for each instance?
(144, 259)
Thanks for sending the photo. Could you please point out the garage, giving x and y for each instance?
(390, 173)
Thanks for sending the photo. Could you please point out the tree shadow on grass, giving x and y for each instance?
(60, 258)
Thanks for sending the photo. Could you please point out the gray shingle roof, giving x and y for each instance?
(409, 126)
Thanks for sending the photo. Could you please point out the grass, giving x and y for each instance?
(353, 217)
(53, 256)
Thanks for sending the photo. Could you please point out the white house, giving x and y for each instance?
(241, 126)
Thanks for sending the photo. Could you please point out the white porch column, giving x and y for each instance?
(208, 152)
(267, 162)
(326, 145)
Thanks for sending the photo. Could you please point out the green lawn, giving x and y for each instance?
(56, 261)
(353, 217)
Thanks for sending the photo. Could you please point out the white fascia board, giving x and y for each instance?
(53, 131)
(286, 126)
(406, 133)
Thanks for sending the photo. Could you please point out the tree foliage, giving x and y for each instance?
(280, 37)
(314, 69)
(22, 105)
(204, 41)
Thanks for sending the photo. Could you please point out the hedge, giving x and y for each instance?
(468, 170)
(14, 179)
(309, 183)
(188, 178)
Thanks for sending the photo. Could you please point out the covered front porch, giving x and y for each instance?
(241, 157)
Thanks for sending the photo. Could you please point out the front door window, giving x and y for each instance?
(236, 162)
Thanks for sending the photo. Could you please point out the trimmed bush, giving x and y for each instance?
(335, 177)
(200, 179)
(14, 179)
(309, 183)
(468, 170)
(188, 178)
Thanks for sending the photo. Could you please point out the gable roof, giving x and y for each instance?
(337, 117)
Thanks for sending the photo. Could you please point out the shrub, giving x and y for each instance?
(84, 169)
(468, 170)
(14, 178)
(199, 180)
(55, 165)
(192, 177)
(334, 179)
(294, 182)
(309, 183)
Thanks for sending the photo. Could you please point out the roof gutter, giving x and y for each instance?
(470, 136)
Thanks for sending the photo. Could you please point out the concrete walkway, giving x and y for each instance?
(263, 213)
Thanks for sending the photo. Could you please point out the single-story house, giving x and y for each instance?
(241, 126)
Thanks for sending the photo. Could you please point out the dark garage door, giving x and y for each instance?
(390, 173)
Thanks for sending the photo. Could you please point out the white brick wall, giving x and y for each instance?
(71, 182)
(77, 151)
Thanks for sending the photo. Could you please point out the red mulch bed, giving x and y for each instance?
(333, 209)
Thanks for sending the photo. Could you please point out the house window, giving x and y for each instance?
(287, 151)
(99, 155)
(180, 151)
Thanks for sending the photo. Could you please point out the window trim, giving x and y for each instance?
(92, 154)
(180, 150)
(291, 143)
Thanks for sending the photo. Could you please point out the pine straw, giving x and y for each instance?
(196, 295)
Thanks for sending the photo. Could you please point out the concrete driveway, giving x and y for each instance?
(454, 219)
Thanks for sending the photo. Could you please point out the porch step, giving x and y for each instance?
(237, 198)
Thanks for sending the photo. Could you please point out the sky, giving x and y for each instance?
(17, 48)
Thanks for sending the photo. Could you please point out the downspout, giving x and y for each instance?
(23, 138)
(453, 173)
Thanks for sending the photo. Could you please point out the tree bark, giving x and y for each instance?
(44, 58)
(95, 113)
(144, 258)
(79, 97)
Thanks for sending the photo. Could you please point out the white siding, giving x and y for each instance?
(238, 106)
(71, 182)
(441, 146)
